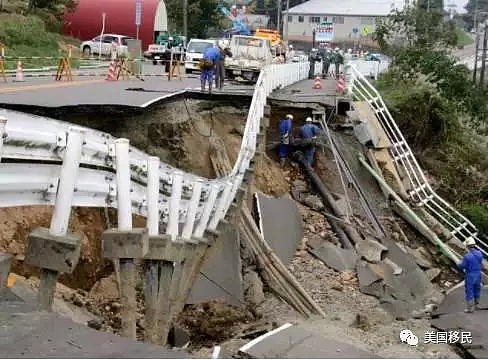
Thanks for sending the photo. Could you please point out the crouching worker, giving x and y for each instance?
(286, 131)
(472, 265)
(309, 131)
(207, 67)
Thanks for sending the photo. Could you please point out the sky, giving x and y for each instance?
(460, 5)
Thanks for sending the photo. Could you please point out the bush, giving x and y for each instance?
(478, 214)
(28, 36)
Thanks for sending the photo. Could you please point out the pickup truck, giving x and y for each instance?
(250, 54)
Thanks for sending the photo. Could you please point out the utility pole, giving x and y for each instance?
(185, 19)
(476, 52)
(483, 56)
(278, 22)
(285, 23)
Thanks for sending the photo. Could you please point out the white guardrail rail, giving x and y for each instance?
(32, 150)
(421, 193)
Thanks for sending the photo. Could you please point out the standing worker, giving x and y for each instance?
(207, 67)
(285, 128)
(326, 63)
(472, 264)
(308, 132)
(220, 65)
(339, 60)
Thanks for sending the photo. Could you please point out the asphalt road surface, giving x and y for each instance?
(42, 90)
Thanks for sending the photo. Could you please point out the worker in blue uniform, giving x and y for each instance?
(285, 128)
(207, 67)
(309, 131)
(472, 265)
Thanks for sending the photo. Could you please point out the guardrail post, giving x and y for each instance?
(55, 250)
(3, 133)
(152, 267)
(125, 243)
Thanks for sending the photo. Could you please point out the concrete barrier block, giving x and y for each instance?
(131, 244)
(57, 253)
(163, 248)
(5, 264)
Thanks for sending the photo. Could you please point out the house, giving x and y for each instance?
(85, 22)
(348, 20)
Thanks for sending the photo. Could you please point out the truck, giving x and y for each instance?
(161, 50)
(250, 54)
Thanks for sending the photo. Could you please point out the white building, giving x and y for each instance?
(351, 19)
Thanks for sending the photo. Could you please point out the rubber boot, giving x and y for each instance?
(203, 85)
(476, 303)
(210, 88)
(282, 162)
(469, 306)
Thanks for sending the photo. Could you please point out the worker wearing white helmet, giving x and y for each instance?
(290, 54)
(308, 132)
(472, 265)
(285, 128)
(220, 63)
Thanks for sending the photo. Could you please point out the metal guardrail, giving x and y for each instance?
(421, 193)
(188, 204)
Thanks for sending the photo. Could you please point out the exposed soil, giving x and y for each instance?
(186, 145)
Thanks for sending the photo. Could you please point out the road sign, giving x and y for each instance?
(324, 32)
(365, 31)
(138, 12)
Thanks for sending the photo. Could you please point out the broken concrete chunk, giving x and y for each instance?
(253, 288)
(366, 275)
(420, 258)
(312, 201)
(371, 250)
(397, 270)
(433, 273)
(335, 257)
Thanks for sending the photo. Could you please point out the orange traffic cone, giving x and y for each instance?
(19, 73)
(111, 72)
(316, 83)
(341, 85)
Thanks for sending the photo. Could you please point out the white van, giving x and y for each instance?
(194, 53)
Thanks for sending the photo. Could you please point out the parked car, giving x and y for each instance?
(300, 56)
(194, 53)
(93, 46)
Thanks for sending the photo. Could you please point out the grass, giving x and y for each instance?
(27, 36)
(463, 38)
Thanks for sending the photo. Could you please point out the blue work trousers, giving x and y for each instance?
(309, 155)
(283, 150)
(207, 75)
(472, 286)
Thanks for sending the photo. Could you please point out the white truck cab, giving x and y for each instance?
(194, 53)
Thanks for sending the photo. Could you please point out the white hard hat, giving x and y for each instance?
(290, 46)
(170, 38)
(349, 50)
(336, 49)
(290, 116)
(470, 242)
(309, 119)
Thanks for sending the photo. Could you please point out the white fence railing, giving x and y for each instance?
(420, 192)
(33, 148)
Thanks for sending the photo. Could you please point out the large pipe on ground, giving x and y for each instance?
(352, 233)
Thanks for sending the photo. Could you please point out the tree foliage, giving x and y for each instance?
(202, 17)
(425, 49)
(481, 6)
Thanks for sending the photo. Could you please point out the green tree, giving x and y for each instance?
(202, 16)
(470, 7)
(431, 5)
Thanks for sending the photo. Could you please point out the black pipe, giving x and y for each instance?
(344, 237)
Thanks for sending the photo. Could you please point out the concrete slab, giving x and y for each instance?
(371, 250)
(296, 342)
(303, 92)
(281, 225)
(476, 324)
(454, 302)
(29, 334)
(220, 276)
(336, 257)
